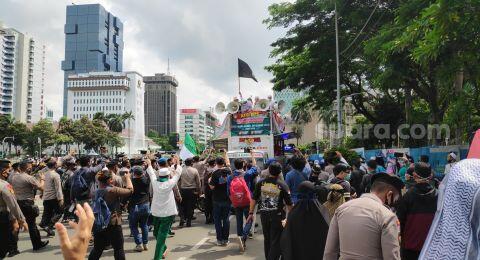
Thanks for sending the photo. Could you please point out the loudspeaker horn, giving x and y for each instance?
(220, 108)
(281, 105)
(262, 104)
(233, 107)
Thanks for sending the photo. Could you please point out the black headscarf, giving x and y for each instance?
(306, 231)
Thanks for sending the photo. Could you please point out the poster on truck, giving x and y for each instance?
(250, 123)
(262, 143)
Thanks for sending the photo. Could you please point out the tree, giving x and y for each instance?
(306, 54)
(301, 112)
(67, 130)
(298, 131)
(42, 134)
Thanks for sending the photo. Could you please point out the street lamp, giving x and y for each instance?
(339, 113)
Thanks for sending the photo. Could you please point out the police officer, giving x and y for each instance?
(11, 216)
(25, 185)
(366, 228)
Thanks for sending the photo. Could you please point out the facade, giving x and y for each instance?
(161, 103)
(22, 76)
(288, 95)
(49, 114)
(93, 42)
(194, 122)
(110, 93)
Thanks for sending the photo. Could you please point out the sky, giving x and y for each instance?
(202, 39)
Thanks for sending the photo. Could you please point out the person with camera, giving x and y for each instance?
(25, 185)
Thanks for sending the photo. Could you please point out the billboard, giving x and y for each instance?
(250, 123)
(257, 143)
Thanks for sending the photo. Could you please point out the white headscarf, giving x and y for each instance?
(455, 230)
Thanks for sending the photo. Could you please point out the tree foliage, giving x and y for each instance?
(413, 61)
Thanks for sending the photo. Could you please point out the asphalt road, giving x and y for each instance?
(196, 242)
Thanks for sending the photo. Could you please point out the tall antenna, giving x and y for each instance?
(168, 66)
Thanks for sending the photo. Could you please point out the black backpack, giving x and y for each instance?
(322, 189)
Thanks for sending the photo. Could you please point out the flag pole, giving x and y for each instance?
(239, 91)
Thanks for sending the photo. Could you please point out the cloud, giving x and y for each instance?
(202, 39)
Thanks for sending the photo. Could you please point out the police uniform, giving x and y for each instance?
(9, 211)
(364, 229)
(25, 186)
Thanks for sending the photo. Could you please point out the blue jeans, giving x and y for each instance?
(221, 211)
(240, 213)
(138, 217)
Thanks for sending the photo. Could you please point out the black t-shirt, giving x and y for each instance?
(271, 195)
(141, 190)
(219, 181)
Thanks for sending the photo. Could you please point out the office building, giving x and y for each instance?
(288, 95)
(110, 93)
(161, 103)
(93, 42)
(49, 114)
(22, 76)
(194, 122)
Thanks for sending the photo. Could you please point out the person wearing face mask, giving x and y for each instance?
(342, 174)
(375, 225)
(416, 211)
(25, 186)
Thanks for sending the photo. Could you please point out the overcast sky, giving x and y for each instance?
(202, 39)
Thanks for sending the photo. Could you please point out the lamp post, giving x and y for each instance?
(337, 56)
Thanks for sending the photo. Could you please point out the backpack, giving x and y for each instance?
(79, 186)
(239, 192)
(101, 211)
(322, 189)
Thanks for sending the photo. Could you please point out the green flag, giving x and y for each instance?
(189, 148)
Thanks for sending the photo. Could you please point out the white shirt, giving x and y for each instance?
(163, 202)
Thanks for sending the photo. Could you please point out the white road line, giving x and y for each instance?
(200, 243)
(182, 258)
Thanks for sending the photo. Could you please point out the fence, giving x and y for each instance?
(437, 155)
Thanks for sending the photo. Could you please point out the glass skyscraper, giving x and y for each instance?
(93, 42)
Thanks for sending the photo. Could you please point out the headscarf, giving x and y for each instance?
(455, 231)
(306, 231)
(335, 198)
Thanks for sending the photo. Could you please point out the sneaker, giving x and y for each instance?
(139, 248)
(250, 235)
(219, 243)
(244, 239)
(50, 232)
(189, 223)
(241, 244)
(42, 245)
(145, 248)
(226, 243)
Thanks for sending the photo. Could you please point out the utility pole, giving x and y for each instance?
(337, 54)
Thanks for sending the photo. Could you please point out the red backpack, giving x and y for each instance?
(239, 192)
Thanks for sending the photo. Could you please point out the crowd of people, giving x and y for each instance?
(378, 209)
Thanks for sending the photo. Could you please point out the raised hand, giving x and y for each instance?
(75, 247)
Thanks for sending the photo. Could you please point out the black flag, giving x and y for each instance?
(244, 71)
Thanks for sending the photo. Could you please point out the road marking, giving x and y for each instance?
(200, 243)
(182, 258)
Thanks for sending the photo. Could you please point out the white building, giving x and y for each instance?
(289, 96)
(110, 93)
(22, 76)
(194, 122)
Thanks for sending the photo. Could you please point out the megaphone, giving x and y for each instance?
(262, 104)
(233, 107)
(220, 108)
(281, 105)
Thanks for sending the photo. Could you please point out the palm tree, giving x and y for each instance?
(301, 112)
(115, 122)
(100, 116)
(297, 129)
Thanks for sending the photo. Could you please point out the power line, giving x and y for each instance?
(363, 28)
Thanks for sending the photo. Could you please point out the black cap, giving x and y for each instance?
(390, 179)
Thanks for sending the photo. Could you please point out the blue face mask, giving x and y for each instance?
(347, 178)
